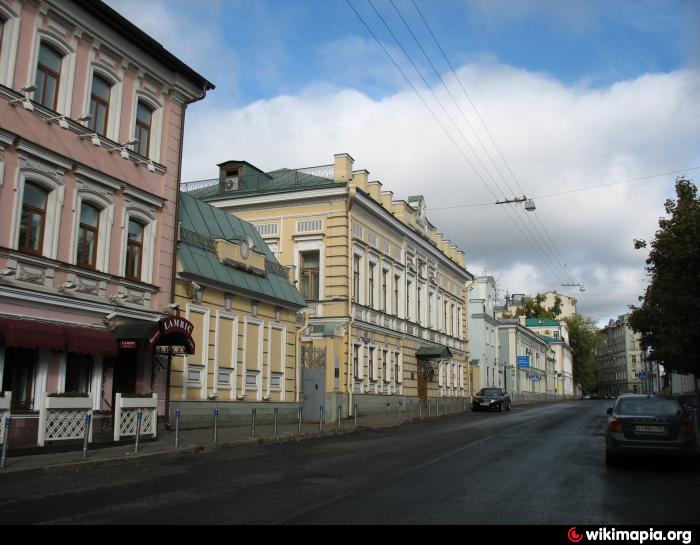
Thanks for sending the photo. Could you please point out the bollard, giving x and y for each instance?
(252, 424)
(355, 414)
(6, 441)
(216, 424)
(340, 410)
(139, 417)
(275, 412)
(320, 421)
(88, 418)
(177, 428)
(301, 416)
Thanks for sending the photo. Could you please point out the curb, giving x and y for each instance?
(171, 452)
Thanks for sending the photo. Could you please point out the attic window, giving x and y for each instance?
(232, 172)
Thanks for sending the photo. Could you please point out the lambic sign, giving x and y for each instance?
(173, 331)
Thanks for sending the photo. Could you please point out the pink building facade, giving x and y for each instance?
(91, 125)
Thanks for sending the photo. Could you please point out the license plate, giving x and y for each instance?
(486, 403)
(650, 429)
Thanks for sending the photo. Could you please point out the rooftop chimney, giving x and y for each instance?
(343, 167)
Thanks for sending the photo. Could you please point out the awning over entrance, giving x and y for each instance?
(433, 352)
(28, 333)
(90, 341)
(32, 334)
(167, 332)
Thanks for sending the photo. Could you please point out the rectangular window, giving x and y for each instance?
(356, 360)
(385, 366)
(418, 311)
(370, 299)
(88, 231)
(385, 288)
(370, 363)
(31, 227)
(409, 290)
(78, 373)
(134, 251)
(356, 278)
(48, 75)
(395, 303)
(309, 275)
(18, 376)
(142, 131)
(99, 105)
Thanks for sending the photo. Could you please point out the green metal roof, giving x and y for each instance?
(259, 184)
(201, 225)
(551, 339)
(433, 352)
(539, 322)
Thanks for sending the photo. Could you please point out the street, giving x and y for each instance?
(540, 464)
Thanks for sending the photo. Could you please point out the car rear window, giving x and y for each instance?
(648, 406)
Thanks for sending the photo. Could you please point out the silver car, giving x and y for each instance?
(648, 424)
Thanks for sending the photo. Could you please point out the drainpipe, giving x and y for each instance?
(352, 193)
(298, 356)
(205, 86)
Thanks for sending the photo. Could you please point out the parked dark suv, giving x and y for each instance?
(491, 398)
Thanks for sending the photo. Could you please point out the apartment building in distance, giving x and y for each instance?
(621, 359)
(386, 292)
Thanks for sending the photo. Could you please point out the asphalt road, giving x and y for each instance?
(535, 465)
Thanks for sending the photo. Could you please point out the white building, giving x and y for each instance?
(523, 356)
(483, 331)
(556, 333)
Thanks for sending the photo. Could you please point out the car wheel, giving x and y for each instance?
(611, 459)
(501, 408)
(475, 409)
(508, 406)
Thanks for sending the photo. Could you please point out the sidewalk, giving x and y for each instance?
(196, 441)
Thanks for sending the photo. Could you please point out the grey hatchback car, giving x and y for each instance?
(648, 424)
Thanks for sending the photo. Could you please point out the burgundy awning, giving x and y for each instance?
(83, 340)
(32, 334)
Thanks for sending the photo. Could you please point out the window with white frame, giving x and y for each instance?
(139, 232)
(372, 363)
(54, 68)
(147, 123)
(92, 233)
(356, 359)
(226, 350)
(40, 197)
(252, 356)
(196, 365)
(9, 37)
(276, 358)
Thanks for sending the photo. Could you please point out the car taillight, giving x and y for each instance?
(615, 425)
(687, 426)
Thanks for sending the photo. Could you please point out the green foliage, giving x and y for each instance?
(669, 315)
(584, 339)
(533, 308)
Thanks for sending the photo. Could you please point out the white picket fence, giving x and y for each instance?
(5, 403)
(126, 413)
(63, 418)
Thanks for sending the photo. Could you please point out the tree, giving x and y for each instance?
(533, 308)
(668, 318)
(584, 339)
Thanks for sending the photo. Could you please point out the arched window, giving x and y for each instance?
(134, 250)
(142, 131)
(88, 232)
(48, 76)
(32, 222)
(99, 105)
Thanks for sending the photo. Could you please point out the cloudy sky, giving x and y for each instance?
(555, 100)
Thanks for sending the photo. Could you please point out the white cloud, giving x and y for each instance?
(554, 137)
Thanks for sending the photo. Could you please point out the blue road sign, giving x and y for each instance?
(642, 375)
(523, 361)
(535, 377)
